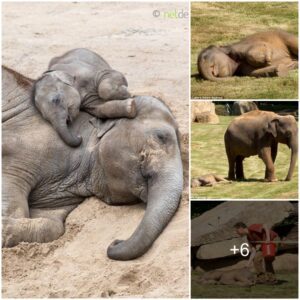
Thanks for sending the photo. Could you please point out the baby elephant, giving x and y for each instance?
(241, 277)
(81, 79)
(263, 54)
(208, 180)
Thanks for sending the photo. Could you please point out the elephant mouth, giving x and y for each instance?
(68, 121)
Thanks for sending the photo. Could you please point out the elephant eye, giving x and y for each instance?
(56, 99)
(162, 136)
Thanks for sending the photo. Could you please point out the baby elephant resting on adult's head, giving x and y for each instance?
(81, 80)
(264, 54)
(258, 133)
(119, 161)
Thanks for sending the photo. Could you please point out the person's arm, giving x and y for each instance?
(252, 255)
(267, 231)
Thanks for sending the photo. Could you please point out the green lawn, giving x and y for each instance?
(287, 288)
(208, 156)
(225, 23)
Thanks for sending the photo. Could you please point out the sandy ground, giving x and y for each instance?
(153, 54)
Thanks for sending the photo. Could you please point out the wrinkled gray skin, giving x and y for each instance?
(263, 54)
(119, 161)
(240, 277)
(258, 133)
(81, 80)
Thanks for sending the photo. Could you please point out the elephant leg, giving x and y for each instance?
(231, 164)
(15, 191)
(274, 149)
(113, 109)
(266, 156)
(227, 281)
(239, 168)
(270, 71)
(58, 214)
(243, 283)
(259, 55)
(44, 225)
(21, 224)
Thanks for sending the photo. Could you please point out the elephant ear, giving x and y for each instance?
(102, 126)
(272, 127)
(231, 53)
(62, 76)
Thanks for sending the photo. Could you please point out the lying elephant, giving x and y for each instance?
(263, 54)
(81, 79)
(120, 161)
(240, 277)
(258, 133)
(208, 180)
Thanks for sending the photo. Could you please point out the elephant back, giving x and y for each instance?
(16, 94)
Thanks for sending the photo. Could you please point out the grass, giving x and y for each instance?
(224, 23)
(288, 288)
(208, 156)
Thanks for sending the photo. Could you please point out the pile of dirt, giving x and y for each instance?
(147, 51)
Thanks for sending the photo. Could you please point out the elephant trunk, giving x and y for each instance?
(164, 192)
(65, 133)
(294, 156)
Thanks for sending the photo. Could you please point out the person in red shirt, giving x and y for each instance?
(256, 233)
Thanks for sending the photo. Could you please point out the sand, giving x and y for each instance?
(153, 55)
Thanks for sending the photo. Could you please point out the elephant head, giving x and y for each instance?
(55, 96)
(151, 170)
(214, 64)
(285, 130)
(112, 85)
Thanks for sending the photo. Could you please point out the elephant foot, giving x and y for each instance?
(270, 180)
(282, 71)
(131, 108)
(241, 179)
(39, 230)
(231, 178)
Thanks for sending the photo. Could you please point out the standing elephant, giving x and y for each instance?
(81, 79)
(119, 161)
(263, 54)
(258, 133)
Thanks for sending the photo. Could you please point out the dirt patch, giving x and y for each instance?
(153, 54)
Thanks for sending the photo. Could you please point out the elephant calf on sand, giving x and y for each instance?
(263, 54)
(81, 79)
(119, 161)
(258, 133)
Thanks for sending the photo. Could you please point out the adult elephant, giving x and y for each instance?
(263, 54)
(258, 133)
(119, 161)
